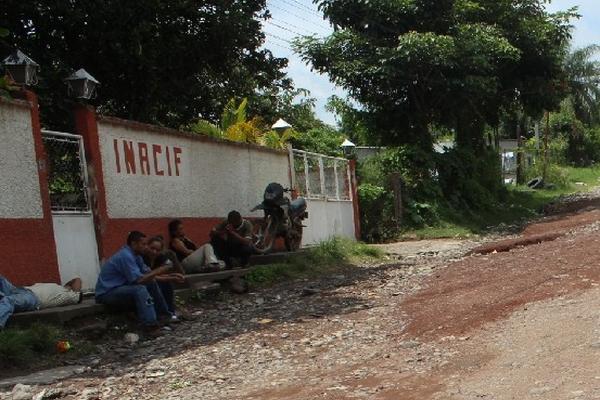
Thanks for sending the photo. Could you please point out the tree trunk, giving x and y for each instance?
(470, 133)
(520, 155)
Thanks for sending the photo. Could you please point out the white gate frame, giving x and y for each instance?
(82, 166)
(321, 158)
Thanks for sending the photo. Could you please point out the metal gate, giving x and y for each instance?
(72, 217)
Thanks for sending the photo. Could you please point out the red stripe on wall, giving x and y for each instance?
(115, 232)
(28, 251)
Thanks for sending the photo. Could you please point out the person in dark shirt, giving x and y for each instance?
(125, 280)
(179, 243)
(194, 259)
(232, 240)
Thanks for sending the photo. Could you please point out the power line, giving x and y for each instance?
(278, 41)
(284, 28)
(279, 38)
(272, 43)
(307, 32)
(302, 7)
(298, 16)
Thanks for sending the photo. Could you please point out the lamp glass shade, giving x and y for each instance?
(21, 68)
(82, 85)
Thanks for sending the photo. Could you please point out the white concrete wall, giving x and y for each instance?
(327, 219)
(213, 178)
(19, 181)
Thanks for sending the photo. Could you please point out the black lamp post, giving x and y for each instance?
(21, 68)
(82, 85)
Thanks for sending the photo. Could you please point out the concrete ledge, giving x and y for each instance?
(58, 315)
(195, 283)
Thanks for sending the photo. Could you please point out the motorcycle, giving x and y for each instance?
(283, 218)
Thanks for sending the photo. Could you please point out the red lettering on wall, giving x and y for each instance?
(176, 154)
(129, 156)
(168, 160)
(144, 164)
(131, 160)
(117, 158)
(156, 150)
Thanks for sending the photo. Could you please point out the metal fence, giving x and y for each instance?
(321, 177)
(67, 178)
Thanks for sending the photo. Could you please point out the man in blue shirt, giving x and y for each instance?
(125, 280)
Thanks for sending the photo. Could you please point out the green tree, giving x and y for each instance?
(583, 79)
(295, 106)
(324, 140)
(352, 123)
(456, 63)
(159, 61)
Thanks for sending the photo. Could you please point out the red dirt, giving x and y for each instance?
(563, 223)
(480, 289)
(509, 244)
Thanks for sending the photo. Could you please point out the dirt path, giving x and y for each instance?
(431, 325)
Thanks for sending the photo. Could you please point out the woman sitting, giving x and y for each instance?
(194, 259)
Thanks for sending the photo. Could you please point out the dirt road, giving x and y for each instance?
(433, 324)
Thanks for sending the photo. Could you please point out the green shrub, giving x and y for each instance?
(555, 174)
(327, 256)
(472, 181)
(376, 212)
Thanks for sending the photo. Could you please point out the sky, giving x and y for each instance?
(587, 28)
(292, 18)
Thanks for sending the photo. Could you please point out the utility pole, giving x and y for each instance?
(546, 136)
(520, 174)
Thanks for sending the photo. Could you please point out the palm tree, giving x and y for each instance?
(583, 78)
(234, 126)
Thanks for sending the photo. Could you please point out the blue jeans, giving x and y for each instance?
(14, 299)
(166, 288)
(147, 299)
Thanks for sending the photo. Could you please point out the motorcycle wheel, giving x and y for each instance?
(265, 237)
(293, 240)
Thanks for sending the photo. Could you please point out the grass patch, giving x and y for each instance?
(521, 205)
(34, 347)
(328, 256)
(22, 346)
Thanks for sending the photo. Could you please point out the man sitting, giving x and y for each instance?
(40, 295)
(157, 257)
(125, 281)
(232, 239)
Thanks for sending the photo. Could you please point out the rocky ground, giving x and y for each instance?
(428, 323)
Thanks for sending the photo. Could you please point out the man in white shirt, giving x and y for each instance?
(41, 295)
(53, 295)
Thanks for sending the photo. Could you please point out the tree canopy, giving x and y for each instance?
(583, 79)
(158, 61)
(456, 63)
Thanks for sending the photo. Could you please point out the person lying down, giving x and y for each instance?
(38, 296)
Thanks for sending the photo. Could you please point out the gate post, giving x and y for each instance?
(355, 204)
(41, 157)
(49, 248)
(86, 125)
